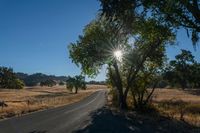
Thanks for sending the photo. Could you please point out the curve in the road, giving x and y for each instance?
(58, 120)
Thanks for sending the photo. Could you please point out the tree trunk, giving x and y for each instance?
(183, 84)
(123, 103)
(119, 85)
(121, 99)
(76, 90)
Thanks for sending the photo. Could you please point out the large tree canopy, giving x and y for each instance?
(96, 46)
(174, 13)
(101, 38)
(145, 44)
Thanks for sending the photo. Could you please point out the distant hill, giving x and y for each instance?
(34, 79)
(97, 82)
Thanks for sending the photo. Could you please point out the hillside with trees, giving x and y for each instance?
(37, 78)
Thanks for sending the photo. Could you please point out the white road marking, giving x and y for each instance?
(83, 105)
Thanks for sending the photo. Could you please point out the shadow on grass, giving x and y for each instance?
(193, 91)
(52, 95)
(38, 131)
(104, 120)
(180, 106)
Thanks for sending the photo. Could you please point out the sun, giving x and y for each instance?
(118, 55)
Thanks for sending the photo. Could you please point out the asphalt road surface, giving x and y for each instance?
(58, 120)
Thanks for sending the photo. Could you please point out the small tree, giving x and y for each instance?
(179, 70)
(183, 71)
(9, 80)
(77, 82)
(61, 83)
(18, 84)
(195, 75)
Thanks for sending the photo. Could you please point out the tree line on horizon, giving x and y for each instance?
(37, 78)
(10, 79)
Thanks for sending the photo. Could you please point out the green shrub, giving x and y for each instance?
(48, 82)
(61, 83)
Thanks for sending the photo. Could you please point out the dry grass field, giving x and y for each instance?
(37, 98)
(179, 104)
(175, 104)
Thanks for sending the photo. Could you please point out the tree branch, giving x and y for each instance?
(140, 65)
(152, 91)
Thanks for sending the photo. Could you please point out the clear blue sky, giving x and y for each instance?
(34, 34)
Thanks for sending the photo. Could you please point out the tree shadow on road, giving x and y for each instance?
(106, 121)
(35, 131)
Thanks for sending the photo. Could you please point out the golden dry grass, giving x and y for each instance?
(38, 98)
(176, 94)
(179, 104)
(173, 103)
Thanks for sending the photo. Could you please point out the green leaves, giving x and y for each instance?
(9, 80)
(119, 23)
(95, 47)
(171, 13)
(177, 13)
(184, 70)
(185, 57)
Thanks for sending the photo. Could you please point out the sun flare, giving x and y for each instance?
(118, 55)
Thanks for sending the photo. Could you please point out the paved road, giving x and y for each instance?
(58, 120)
